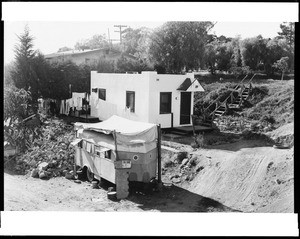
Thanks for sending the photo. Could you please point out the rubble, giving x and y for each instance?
(50, 154)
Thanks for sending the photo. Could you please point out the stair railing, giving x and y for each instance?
(230, 96)
(249, 82)
(214, 101)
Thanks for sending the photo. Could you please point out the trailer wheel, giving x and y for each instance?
(89, 175)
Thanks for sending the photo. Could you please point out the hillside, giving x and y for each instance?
(269, 107)
(242, 175)
(238, 166)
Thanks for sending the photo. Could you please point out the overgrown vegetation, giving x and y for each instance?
(277, 106)
(51, 145)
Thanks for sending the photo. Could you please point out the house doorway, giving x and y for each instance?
(185, 108)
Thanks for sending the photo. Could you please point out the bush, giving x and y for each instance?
(181, 155)
(200, 140)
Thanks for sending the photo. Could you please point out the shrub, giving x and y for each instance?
(181, 155)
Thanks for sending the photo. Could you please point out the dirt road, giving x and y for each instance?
(60, 194)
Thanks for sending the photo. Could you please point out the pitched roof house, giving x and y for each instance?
(88, 56)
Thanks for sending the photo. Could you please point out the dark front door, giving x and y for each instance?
(185, 108)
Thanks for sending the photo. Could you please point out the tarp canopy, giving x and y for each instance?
(130, 135)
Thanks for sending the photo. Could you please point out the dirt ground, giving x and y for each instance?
(237, 177)
(24, 193)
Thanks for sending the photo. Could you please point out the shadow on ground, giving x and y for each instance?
(224, 141)
(175, 199)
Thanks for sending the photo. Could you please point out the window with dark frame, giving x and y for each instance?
(165, 102)
(130, 100)
(102, 94)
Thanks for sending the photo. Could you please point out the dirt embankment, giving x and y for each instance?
(242, 176)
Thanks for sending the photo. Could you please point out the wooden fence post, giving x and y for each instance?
(159, 153)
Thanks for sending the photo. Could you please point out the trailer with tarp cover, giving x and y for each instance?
(120, 151)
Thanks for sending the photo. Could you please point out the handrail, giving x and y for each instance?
(212, 102)
(252, 78)
(220, 96)
(241, 82)
(232, 91)
(227, 97)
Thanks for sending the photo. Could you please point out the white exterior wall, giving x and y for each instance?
(116, 86)
(147, 94)
(167, 83)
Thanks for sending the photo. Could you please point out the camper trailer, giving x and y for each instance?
(118, 150)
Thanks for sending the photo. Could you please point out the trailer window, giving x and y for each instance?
(107, 154)
(102, 152)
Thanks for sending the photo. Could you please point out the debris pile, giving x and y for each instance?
(184, 166)
(239, 124)
(50, 153)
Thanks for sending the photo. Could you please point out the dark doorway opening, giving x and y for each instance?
(185, 108)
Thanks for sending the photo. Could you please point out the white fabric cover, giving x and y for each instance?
(132, 136)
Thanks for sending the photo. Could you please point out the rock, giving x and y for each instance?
(42, 174)
(69, 176)
(176, 180)
(77, 181)
(43, 166)
(184, 162)
(34, 173)
(32, 163)
(199, 168)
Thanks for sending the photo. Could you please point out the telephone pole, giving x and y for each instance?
(110, 40)
(120, 27)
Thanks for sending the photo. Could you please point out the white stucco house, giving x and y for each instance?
(165, 99)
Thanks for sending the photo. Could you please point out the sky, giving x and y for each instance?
(49, 36)
(55, 25)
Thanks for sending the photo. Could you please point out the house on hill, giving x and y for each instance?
(88, 56)
(165, 99)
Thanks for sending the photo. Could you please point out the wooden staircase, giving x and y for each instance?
(230, 103)
(239, 100)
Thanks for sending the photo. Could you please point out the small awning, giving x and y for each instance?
(191, 86)
(185, 85)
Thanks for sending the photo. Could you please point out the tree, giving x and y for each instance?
(211, 55)
(15, 110)
(288, 33)
(23, 74)
(8, 69)
(223, 56)
(282, 65)
(179, 46)
(136, 42)
(125, 65)
(275, 50)
(65, 48)
(236, 59)
(253, 52)
(97, 41)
